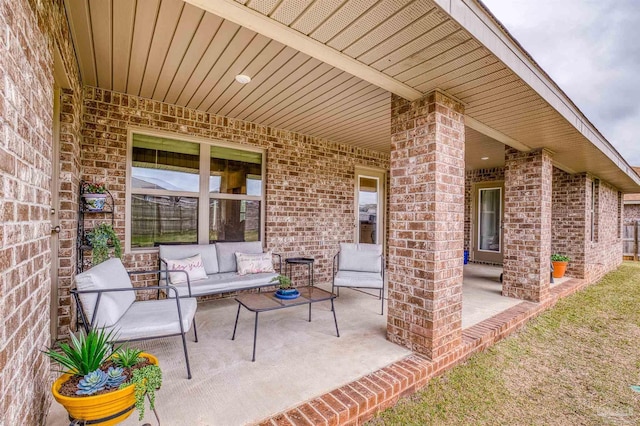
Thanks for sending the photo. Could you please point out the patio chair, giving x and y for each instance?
(359, 266)
(106, 299)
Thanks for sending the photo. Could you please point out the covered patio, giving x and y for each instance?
(296, 361)
(429, 102)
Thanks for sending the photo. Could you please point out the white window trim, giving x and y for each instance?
(203, 208)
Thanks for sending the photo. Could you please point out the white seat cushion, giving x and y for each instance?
(107, 275)
(223, 282)
(154, 318)
(358, 279)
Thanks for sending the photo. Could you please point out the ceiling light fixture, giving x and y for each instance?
(243, 79)
(484, 158)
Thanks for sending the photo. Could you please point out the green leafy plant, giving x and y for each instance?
(100, 237)
(126, 357)
(147, 380)
(559, 258)
(86, 353)
(93, 188)
(284, 282)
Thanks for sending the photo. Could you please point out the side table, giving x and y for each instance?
(289, 263)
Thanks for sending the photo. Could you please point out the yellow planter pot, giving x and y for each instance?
(99, 406)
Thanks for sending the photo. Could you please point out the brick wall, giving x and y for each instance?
(605, 254)
(631, 213)
(570, 226)
(309, 182)
(527, 224)
(26, 107)
(472, 177)
(426, 224)
(69, 180)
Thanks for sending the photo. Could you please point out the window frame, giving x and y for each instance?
(203, 195)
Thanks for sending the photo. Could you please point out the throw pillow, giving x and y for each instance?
(249, 263)
(193, 266)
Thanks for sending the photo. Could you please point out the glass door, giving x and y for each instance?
(488, 223)
(369, 207)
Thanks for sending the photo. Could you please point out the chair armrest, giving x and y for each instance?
(336, 262)
(76, 292)
(165, 271)
(279, 261)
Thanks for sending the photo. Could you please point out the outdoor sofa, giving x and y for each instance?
(217, 268)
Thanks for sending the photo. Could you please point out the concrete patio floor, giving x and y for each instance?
(295, 360)
(481, 293)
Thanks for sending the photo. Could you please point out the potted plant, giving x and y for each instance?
(101, 386)
(101, 238)
(285, 289)
(94, 196)
(560, 263)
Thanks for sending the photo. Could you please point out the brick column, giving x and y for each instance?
(426, 224)
(527, 224)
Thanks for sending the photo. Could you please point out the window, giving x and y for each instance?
(191, 191)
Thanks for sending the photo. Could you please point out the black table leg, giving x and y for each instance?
(309, 312)
(236, 324)
(333, 309)
(255, 337)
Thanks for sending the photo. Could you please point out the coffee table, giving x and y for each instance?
(262, 302)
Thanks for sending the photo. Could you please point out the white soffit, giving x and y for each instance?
(255, 21)
(327, 67)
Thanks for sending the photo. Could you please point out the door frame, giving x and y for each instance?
(483, 255)
(381, 176)
(55, 212)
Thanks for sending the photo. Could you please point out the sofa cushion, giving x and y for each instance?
(107, 275)
(191, 265)
(360, 257)
(227, 253)
(249, 263)
(181, 251)
(224, 282)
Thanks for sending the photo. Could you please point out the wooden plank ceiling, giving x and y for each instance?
(174, 52)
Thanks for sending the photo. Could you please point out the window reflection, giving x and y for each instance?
(235, 172)
(159, 220)
(234, 220)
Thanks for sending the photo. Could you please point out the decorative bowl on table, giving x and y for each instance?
(287, 293)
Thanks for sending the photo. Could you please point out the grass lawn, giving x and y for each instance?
(573, 365)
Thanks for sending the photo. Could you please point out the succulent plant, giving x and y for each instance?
(115, 377)
(126, 357)
(92, 383)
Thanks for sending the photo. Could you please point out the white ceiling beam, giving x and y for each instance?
(494, 134)
(250, 19)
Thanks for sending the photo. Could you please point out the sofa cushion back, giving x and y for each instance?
(360, 257)
(107, 275)
(208, 253)
(227, 253)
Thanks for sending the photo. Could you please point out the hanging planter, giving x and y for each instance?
(94, 202)
(94, 196)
